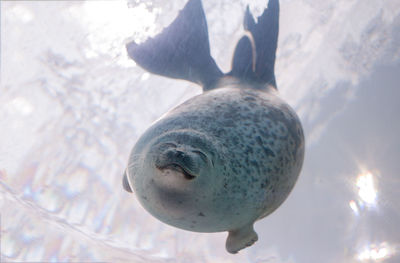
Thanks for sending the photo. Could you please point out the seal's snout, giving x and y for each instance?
(178, 169)
(178, 161)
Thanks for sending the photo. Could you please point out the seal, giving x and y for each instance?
(229, 156)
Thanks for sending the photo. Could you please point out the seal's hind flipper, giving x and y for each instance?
(181, 50)
(264, 39)
(243, 64)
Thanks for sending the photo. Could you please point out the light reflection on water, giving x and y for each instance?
(366, 188)
(376, 253)
(72, 104)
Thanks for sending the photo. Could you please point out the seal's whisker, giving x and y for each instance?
(134, 165)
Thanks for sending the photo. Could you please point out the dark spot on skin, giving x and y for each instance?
(194, 222)
(191, 226)
(253, 180)
(264, 133)
(256, 118)
(267, 181)
(254, 163)
(200, 214)
(248, 98)
(252, 104)
(268, 152)
(144, 197)
(249, 150)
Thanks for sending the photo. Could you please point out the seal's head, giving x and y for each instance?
(176, 175)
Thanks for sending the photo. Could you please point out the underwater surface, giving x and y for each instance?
(72, 104)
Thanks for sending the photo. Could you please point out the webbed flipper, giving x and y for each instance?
(243, 64)
(264, 38)
(241, 238)
(125, 183)
(181, 50)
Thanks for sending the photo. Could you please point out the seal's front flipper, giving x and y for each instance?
(125, 183)
(241, 238)
(181, 50)
(264, 38)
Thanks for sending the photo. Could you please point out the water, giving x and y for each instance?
(72, 105)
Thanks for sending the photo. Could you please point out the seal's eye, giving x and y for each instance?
(166, 145)
(202, 155)
(169, 144)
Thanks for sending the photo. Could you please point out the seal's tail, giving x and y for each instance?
(254, 57)
(181, 50)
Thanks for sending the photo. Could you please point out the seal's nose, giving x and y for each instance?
(175, 154)
(179, 154)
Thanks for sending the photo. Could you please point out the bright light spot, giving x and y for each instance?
(354, 207)
(145, 76)
(111, 23)
(20, 105)
(366, 188)
(22, 13)
(376, 253)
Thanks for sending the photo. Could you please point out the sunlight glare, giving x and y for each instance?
(354, 207)
(366, 188)
(20, 105)
(22, 13)
(111, 23)
(376, 253)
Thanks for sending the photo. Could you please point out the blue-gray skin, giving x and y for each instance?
(225, 158)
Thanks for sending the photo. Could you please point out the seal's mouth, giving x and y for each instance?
(177, 168)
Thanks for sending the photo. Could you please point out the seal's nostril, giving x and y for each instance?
(170, 153)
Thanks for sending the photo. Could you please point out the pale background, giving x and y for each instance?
(72, 105)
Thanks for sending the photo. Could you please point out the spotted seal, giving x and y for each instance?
(225, 158)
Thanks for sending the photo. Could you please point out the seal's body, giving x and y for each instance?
(225, 158)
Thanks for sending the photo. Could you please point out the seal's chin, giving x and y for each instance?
(167, 169)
